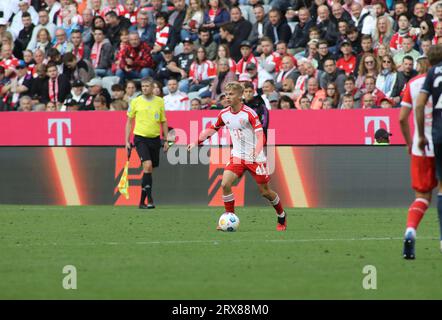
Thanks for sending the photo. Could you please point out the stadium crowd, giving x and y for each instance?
(290, 54)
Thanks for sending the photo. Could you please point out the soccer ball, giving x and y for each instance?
(228, 222)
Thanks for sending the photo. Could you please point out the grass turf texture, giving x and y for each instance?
(176, 253)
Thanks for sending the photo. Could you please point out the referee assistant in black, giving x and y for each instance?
(147, 110)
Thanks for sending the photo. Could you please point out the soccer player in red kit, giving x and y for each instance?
(247, 153)
(423, 167)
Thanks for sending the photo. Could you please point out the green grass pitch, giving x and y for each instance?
(175, 252)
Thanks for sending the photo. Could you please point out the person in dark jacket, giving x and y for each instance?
(242, 26)
(300, 37)
(257, 104)
(56, 87)
(277, 29)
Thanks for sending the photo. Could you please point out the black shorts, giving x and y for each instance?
(148, 149)
(438, 159)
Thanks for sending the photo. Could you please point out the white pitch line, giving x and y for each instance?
(217, 242)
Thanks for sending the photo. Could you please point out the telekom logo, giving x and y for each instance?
(59, 124)
(377, 121)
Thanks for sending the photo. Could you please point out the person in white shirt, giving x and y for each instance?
(43, 22)
(175, 100)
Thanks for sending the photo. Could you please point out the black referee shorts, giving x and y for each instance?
(148, 149)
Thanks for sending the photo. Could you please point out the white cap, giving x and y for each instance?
(95, 82)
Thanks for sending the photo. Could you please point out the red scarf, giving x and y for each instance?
(53, 90)
(95, 54)
(79, 52)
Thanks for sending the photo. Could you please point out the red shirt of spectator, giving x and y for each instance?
(136, 55)
(348, 61)
(247, 58)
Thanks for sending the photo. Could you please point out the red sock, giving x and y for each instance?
(416, 212)
(229, 203)
(277, 205)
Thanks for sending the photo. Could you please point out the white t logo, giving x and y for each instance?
(377, 125)
(59, 124)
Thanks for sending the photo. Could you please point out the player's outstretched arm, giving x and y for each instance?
(207, 133)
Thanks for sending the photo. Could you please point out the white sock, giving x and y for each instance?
(282, 215)
(412, 230)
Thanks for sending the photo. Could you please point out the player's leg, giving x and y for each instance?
(229, 177)
(154, 146)
(146, 184)
(438, 160)
(146, 162)
(423, 181)
(273, 198)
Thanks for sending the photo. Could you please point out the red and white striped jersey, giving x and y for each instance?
(203, 71)
(409, 99)
(162, 35)
(242, 126)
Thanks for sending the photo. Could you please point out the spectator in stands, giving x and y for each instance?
(164, 36)
(246, 57)
(77, 70)
(158, 89)
(175, 100)
(144, 28)
(195, 104)
(38, 84)
(17, 23)
(383, 31)
(43, 22)
(167, 67)
(202, 71)
(407, 50)
(269, 60)
(368, 66)
(369, 101)
(193, 20)
(131, 91)
(224, 76)
(288, 71)
(99, 22)
(332, 93)
(100, 103)
(215, 15)
(80, 50)
(115, 24)
(364, 21)
(136, 60)
(176, 18)
(224, 53)
(156, 6)
(299, 38)
(419, 14)
(25, 34)
(242, 27)
(227, 36)
(314, 94)
(304, 103)
(102, 54)
(285, 103)
(370, 87)
(328, 30)
(95, 88)
(117, 92)
(78, 95)
(260, 26)
(404, 30)
(323, 54)
(43, 41)
(56, 87)
(205, 40)
(387, 78)
(348, 60)
(257, 104)
(347, 102)
(332, 74)
(62, 44)
(86, 28)
(277, 29)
